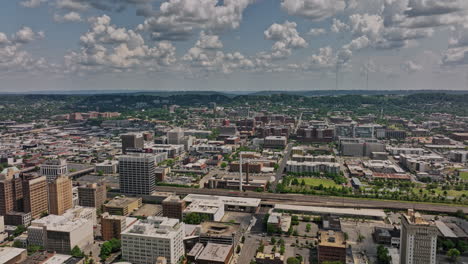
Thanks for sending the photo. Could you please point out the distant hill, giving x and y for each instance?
(240, 92)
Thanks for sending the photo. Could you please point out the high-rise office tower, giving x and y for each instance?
(11, 191)
(137, 174)
(60, 195)
(22, 193)
(54, 168)
(418, 240)
(175, 136)
(92, 195)
(132, 140)
(35, 195)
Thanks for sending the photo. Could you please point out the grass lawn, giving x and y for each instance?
(453, 193)
(464, 175)
(318, 181)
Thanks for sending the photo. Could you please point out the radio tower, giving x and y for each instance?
(240, 172)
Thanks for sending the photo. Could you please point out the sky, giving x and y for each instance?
(233, 45)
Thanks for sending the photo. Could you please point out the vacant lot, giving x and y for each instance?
(318, 181)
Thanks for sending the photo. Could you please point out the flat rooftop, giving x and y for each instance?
(332, 239)
(7, 253)
(215, 252)
(121, 201)
(331, 210)
(234, 201)
(219, 228)
(153, 226)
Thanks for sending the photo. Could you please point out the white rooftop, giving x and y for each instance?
(154, 226)
(58, 259)
(7, 253)
(331, 210)
(235, 201)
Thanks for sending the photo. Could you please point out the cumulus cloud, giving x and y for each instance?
(316, 31)
(313, 9)
(69, 17)
(176, 19)
(286, 39)
(411, 67)
(338, 26)
(72, 5)
(106, 47)
(14, 59)
(26, 35)
(205, 57)
(32, 3)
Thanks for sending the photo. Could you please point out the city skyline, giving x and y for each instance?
(233, 45)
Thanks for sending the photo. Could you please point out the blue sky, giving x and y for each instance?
(233, 44)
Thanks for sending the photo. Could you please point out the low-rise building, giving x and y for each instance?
(154, 237)
(275, 142)
(220, 233)
(113, 225)
(107, 167)
(312, 167)
(12, 255)
(61, 233)
(122, 205)
(331, 247)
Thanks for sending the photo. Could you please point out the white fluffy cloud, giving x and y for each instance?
(14, 59)
(26, 35)
(72, 5)
(338, 26)
(316, 31)
(313, 9)
(205, 57)
(411, 67)
(69, 17)
(286, 39)
(106, 47)
(32, 3)
(176, 19)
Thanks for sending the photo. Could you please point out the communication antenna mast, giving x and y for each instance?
(367, 75)
(240, 172)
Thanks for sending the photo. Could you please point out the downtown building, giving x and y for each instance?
(92, 195)
(132, 141)
(154, 237)
(418, 239)
(53, 169)
(61, 233)
(60, 195)
(22, 196)
(137, 174)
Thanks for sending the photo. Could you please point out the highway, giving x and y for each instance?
(317, 200)
(280, 171)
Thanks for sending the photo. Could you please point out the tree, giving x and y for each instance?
(382, 255)
(77, 253)
(19, 230)
(223, 165)
(293, 260)
(195, 218)
(453, 254)
(308, 226)
(106, 250)
(18, 244)
(33, 249)
(273, 240)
